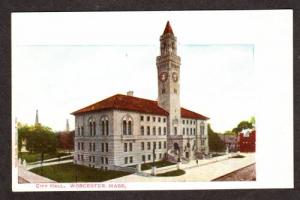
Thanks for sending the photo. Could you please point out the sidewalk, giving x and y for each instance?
(206, 171)
(29, 167)
(29, 177)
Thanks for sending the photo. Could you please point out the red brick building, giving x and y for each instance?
(247, 141)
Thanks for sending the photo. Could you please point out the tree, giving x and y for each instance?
(66, 140)
(241, 126)
(214, 141)
(39, 139)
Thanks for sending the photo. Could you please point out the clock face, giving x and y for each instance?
(175, 77)
(163, 76)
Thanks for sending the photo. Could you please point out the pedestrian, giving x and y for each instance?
(197, 161)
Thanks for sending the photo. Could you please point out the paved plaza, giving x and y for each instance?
(203, 172)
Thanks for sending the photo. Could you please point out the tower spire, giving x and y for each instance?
(168, 28)
(37, 117)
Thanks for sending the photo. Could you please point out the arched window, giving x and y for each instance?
(142, 130)
(94, 128)
(104, 125)
(127, 125)
(129, 128)
(124, 127)
(91, 127)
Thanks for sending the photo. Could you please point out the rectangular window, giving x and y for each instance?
(159, 145)
(149, 157)
(107, 127)
(160, 155)
(165, 144)
(78, 145)
(125, 160)
(93, 158)
(90, 146)
(165, 130)
(143, 146)
(125, 147)
(183, 131)
(175, 130)
(154, 130)
(102, 160)
(159, 130)
(102, 147)
(194, 131)
(130, 146)
(106, 161)
(143, 158)
(183, 121)
(187, 131)
(82, 146)
(94, 147)
(142, 118)
(148, 118)
(164, 119)
(78, 157)
(94, 128)
(154, 145)
(90, 158)
(148, 145)
(82, 158)
(159, 119)
(148, 130)
(191, 131)
(78, 131)
(131, 159)
(153, 119)
(103, 127)
(106, 147)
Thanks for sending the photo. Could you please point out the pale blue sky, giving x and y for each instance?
(59, 73)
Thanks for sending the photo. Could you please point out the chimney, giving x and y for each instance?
(130, 93)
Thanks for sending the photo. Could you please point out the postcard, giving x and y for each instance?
(122, 100)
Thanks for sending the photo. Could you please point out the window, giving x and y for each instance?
(148, 145)
(202, 142)
(91, 128)
(126, 160)
(183, 131)
(78, 157)
(159, 145)
(106, 161)
(130, 146)
(102, 160)
(175, 130)
(159, 130)
(124, 127)
(82, 158)
(78, 145)
(106, 147)
(82, 131)
(102, 147)
(131, 159)
(103, 127)
(143, 146)
(94, 147)
(194, 121)
(148, 130)
(202, 129)
(78, 131)
(90, 146)
(165, 120)
(149, 157)
(187, 131)
(153, 119)
(142, 118)
(191, 131)
(160, 155)
(154, 145)
(163, 91)
(194, 131)
(107, 127)
(154, 130)
(142, 130)
(183, 121)
(165, 144)
(148, 118)
(90, 159)
(94, 128)
(129, 128)
(159, 119)
(82, 146)
(125, 147)
(165, 130)
(143, 158)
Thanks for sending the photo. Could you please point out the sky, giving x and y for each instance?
(62, 62)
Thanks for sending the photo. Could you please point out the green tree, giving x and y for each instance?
(39, 139)
(214, 141)
(241, 126)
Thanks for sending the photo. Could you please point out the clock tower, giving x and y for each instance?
(168, 69)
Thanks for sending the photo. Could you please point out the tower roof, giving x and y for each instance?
(168, 28)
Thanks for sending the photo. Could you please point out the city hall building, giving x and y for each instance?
(124, 130)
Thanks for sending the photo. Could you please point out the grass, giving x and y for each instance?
(33, 157)
(65, 173)
(158, 164)
(238, 156)
(217, 154)
(177, 172)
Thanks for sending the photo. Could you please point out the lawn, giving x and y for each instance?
(177, 172)
(67, 173)
(33, 157)
(158, 164)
